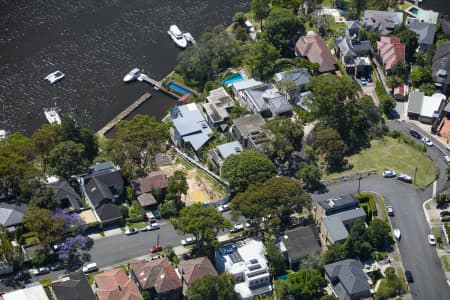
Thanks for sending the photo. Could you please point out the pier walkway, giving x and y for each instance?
(157, 85)
(123, 114)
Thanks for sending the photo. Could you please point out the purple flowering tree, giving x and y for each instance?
(70, 249)
(74, 222)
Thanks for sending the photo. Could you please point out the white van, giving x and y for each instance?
(90, 268)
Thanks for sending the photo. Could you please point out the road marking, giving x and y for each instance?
(434, 188)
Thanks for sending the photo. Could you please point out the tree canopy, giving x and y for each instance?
(306, 284)
(261, 58)
(249, 167)
(67, 158)
(287, 136)
(210, 287)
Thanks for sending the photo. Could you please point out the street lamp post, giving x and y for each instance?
(359, 182)
(415, 173)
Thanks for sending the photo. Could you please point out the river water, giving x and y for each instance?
(441, 6)
(95, 43)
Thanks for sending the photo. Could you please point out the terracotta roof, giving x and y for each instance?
(194, 269)
(115, 285)
(391, 50)
(316, 50)
(156, 179)
(146, 199)
(157, 274)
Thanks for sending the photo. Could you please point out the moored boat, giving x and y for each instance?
(132, 75)
(52, 116)
(54, 77)
(177, 36)
(3, 134)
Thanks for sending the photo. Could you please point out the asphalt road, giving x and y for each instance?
(416, 254)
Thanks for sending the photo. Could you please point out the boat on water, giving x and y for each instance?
(132, 75)
(3, 134)
(177, 36)
(52, 116)
(54, 77)
(397, 234)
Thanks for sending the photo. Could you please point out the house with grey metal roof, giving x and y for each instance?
(331, 206)
(191, 130)
(348, 280)
(102, 186)
(354, 55)
(334, 228)
(239, 86)
(440, 67)
(217, 108)
(218, 155)
(248, 131)
(382, 21)
(265, 100)
(425, 32)
(425, 108)
(69, 200)
(11, 214)
(73, 286)
(300, 77)
(298, 243)
(353, 28)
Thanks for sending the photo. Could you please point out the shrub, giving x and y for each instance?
(445, 219)
(124, 210)
(373, 206)
(136, 210)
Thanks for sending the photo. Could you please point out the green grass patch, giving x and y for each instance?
(45, 282)
(436, 232)
(428, 206)
(387, 153)
(137, 225)
(184, 162)
(445, 263)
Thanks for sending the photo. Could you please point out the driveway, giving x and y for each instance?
(416, 254)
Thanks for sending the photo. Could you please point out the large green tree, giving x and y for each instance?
(260, 9)
(210, 287)
(329, 142)
(45, 198)
(137, 141)
(71, 130)
(409, 38)
(44, 140)
(310, 174)
(261, 58)
(49, 229)
(277, 196)
(306, 284)
(202, 222)
(249, 167)
(67, 159)
(287, 136)
(379, 234)
(281, 27)
(358, 7)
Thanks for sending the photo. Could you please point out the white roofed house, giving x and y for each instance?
(218, 155)
(217, 108)
(426, 109)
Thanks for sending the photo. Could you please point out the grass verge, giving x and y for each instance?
(445, 263)
(387, 153)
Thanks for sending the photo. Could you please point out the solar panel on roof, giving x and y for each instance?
(253, 261)
(254, 267)
(256, 273)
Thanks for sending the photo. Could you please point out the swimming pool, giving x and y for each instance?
(179, 88)
(230, 80)
(414, 10)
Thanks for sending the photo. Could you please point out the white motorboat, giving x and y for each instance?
(52, 116)
(132, 75)
(54, 77)
(397, 234)
(177, 36)
(3, 134)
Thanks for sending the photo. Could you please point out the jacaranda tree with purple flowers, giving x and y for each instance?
(74, 223)
(70, 248)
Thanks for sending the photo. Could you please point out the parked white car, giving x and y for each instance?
(236, 228)
(223, 208)
(91, 267)
(431, 239)
(427, 141)
(389, 174)
(188, 241)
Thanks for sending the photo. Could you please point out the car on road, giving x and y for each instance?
(390, 210)
(131, 231)
(405, 178)
(223, 208)
(22, 275)
(427, 141)
(156, 248)
(237, 228)
(91, 267)
(40, 271)
(188, 241)
(415, 134)
(56, 266)
(369, 78)
(447, 158)
(409, 276)
(363, 81)
(152, 226)
(156, 214)
(431, 239)
(389, 174)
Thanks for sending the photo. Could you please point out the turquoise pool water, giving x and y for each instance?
(178, 88)
(413, 10)
(232, 79)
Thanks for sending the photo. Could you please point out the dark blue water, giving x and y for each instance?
(95, 43)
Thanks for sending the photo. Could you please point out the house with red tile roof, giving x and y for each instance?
(156, 179)
(314, 48)
(390, 51)
(115, 285)
(194, 269)
(157, 277)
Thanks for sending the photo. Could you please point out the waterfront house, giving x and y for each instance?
(193, 269)
(191, 131)
(265, 100)
(156, 277)
(73, 286)
(218, 155)
(347, 279)
(390, 51)
(248, 131)
(69, 200)
(300, 77)
(32, 291)
(238, 87)
(353, 28)
(440, 67)
(11, 214)
(384, 22)
(248, 264)
(217, 108)
(425, 33)
(115, 285)
(314, 48)
(426, 109)
(102, 185)
(354, 55)
(298, 243)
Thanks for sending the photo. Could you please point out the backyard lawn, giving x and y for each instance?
(389, 154)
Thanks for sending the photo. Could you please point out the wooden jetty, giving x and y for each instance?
(156, 85)
(126, 112)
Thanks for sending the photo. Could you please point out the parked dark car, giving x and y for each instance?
(415, 134)
(56, 266)
(22, 275)
(156, 213)
(409, 276)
